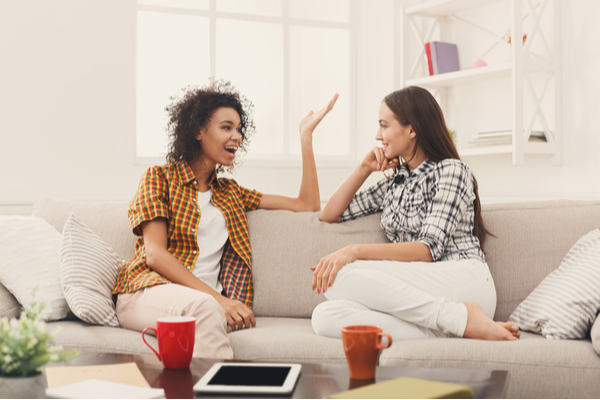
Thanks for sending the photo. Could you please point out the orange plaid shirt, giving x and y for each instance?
(171, 191)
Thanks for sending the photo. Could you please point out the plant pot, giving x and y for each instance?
(30, 387)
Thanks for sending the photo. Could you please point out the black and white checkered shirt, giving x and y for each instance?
(432, 204)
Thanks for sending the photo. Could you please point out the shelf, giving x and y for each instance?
(484, 150)
(437, 8)
(530, 148)
(515, 75)
(462, 77)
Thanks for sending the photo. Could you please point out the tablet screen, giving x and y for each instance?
(230, 375)
(249, 378)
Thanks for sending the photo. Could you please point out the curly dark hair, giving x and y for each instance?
(189, 113)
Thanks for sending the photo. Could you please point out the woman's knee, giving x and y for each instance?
(207, 310)
(325, 319)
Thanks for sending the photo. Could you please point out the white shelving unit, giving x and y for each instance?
(522, 62)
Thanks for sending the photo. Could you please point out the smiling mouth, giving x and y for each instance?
(231, 149)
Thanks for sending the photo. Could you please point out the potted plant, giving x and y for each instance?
(26, 346)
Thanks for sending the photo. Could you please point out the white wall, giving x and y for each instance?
(67, 104)
(67, 107)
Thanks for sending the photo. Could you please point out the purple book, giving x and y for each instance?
(444, 57)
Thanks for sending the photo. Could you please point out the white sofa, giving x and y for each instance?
(531, 240)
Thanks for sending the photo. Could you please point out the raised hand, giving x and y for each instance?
(375, 160)
(310, 122)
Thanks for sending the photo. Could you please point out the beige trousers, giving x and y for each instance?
(141, 309)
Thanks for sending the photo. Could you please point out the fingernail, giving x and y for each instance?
(313, 288)
(329, 285)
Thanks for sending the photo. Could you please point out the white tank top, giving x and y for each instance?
(212, 236)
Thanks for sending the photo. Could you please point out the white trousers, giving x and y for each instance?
(408, 300)
(141, 309)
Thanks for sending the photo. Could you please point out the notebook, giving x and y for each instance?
(408, 388)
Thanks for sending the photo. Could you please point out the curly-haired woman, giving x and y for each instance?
(193, 256)
(432, 280)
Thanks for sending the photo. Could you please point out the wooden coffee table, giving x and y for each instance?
(316, 380)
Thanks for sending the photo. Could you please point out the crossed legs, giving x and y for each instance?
(413, 300)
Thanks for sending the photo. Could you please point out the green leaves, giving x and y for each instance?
(26, 345)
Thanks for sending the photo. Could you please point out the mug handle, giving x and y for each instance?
(379, 345)
(152, 348)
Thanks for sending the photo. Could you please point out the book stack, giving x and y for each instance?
(442, 57)
(497, 138)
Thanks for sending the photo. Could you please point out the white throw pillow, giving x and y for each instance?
(29, 259)
(88, 271)
(565, 303)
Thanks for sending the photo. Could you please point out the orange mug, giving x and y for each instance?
(362, 345)
(175, 336)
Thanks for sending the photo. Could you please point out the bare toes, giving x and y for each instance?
(479, 326)
(511, 327)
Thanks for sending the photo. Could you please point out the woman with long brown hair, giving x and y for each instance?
(432, 280)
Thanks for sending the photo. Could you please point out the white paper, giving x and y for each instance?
(99, 389)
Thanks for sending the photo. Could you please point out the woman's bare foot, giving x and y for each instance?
(511, 327)
(479, 326)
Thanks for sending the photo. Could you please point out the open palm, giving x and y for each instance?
(310, 122)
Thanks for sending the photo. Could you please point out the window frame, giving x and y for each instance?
(284, 159)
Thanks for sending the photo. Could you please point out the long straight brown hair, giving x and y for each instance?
(415, 106)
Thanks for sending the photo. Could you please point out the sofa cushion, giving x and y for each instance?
(88, 271)
(285, 339)
(595, 335)
(107, 220)
(29, 260)
(531, 240)
(285, 245)
(99, 339)
(565, 304)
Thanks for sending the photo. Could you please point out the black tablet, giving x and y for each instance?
(249, 378)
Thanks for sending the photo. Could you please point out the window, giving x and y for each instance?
(287, 56)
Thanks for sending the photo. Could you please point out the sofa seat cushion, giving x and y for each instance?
(99, 339)
(285, 339)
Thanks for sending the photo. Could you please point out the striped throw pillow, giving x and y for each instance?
(565, 303)
(88, 271)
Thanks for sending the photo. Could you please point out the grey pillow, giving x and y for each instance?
(565, 303)
(88, 271)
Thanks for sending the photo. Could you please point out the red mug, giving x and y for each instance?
(362, 345)
(175, 336)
